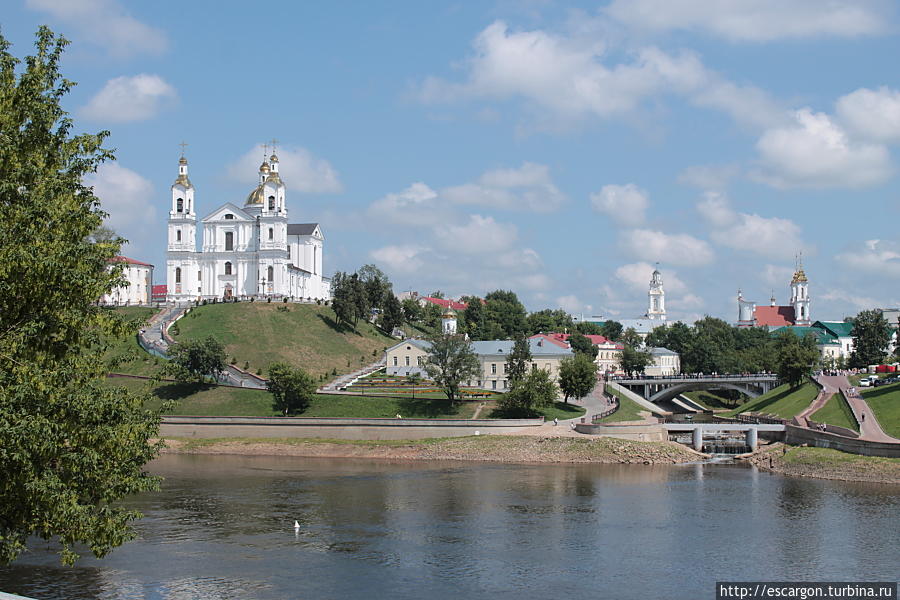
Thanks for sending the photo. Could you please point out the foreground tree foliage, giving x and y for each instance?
(577, 376)
(536, 391)
(871, 337)
(195, 360)
(451, 361)
(796, 356)
(292, 389)
(519, 359)
(70, 447)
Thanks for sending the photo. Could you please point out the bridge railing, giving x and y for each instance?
(693, 376)
(614, 406)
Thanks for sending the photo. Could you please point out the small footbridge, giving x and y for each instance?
(703, 434)
(657, 388)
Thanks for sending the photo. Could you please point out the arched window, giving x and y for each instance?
(177, 274)
(228, 268)
(271, 202)
(271, 273)
(229, 240)
(179, 205)
(177, 235)
(271, 233)
(229, 216)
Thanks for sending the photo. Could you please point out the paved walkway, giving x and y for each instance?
(869, 428)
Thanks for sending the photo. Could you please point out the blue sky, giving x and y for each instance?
(555, 149)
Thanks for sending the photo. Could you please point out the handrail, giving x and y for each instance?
(692, 376)
(614, 401)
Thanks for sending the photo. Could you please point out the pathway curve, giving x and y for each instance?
(869, 429)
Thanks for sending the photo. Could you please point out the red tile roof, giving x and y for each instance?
(129, 261)
(552, 338)
(774, 316)
(443, 303)
(562, 338)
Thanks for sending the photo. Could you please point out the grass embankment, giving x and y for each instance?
(492, 448)
(825, 463)
(304, 335)
(836, 412)
(711, 400)
(628, 409)
(124, 355)
(784, 401)
(885, 402)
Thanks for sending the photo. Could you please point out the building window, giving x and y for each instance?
(177, 274)
(407, 360)
(271, 233)
(229, 240)
(289, 251)
(270, 274)
(229, 216)
(504, 384)
(420, 361)
(179, 205)
(199, 275)
(478, 383)
(493, 384)
(505, 367)
(177, 235)
(395, 361)
(493, 368)
(271, 202)
(228, 268)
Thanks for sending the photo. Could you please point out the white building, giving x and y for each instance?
(139, 283)
(656, 298)
(244, 251)
(665, 362)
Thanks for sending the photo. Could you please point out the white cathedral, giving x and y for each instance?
(246, 252)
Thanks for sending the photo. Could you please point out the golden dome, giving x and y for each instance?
(182, 161)
(264, 168)
(799, 276)
(256, 196)
(273, 158)
(449, 314)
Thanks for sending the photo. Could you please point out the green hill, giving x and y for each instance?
(303, 335)
(885, 401)
(836, 412)
(125, 355)
(783, 401)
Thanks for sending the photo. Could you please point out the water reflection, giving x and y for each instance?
(222, 527)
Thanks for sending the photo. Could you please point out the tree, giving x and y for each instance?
(392, 316)
(473, 317)
(342, 301)
(292, 389)
(871, 336)
(611, 330)
(531, 394)
(634, 360)
(450, 362)
(71, 446)
(796, 357)
(631, 338)
(518, 360)
(376, 284)
(577, 376)
(504, 315)
(411, 310)
(546, 321)
(588, 328)
(582, 345)
(197, 359)
(431, 316)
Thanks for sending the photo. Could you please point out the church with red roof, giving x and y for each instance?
(774, 316)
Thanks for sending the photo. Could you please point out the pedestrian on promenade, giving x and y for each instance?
(862, 417)
(555, 421)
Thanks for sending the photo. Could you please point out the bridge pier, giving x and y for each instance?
(697, 439)
(752, 439)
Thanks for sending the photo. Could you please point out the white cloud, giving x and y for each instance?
(417, 205)
(676, 249)
(636, 276)
(709, 177)
(816, 152)
(856, 301)
(626, 204)
(880, 257)
(572, 305)
(402, 259)
(565, 78)
(527, 188)
(299, 169)
(776, 276)
(520, 258)
(106, 24)
(135, 98)
(481, 235)
(872, 114)
(774, 237)
(757, 20)
(128, 198)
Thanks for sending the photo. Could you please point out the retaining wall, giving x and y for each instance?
(640, 433)
(822, 439)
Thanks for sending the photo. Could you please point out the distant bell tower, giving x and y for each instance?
(656, 305)
(182, 226)
(800, 295)
(448, 321)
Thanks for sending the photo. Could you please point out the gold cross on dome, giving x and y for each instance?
(183, 145)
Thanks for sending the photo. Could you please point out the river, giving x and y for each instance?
(222, 527)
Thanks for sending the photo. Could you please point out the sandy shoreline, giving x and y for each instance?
(823, 463)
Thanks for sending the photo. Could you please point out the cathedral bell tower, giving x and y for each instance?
(182, 226)
(656, 304)
(800, 296)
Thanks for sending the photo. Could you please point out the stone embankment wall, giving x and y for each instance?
(822, 439)
(639, 433)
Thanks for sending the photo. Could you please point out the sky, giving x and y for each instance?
(557, 149)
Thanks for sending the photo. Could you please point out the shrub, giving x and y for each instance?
(269, 300)
(252, 299)
(318, 301)
(259, 371)
(234, 360)
(246, 365)
(334, 372)
(284, 300)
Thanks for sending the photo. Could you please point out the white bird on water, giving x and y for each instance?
(296, 526)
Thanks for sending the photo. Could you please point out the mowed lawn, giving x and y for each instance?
(628, 410)
(783, 401)
(836, 412)
(885, 402)
(305, 336)
(124, 355)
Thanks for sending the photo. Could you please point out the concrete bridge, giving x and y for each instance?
(699, 430)
(660, 388)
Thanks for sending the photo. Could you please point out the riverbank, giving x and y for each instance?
(825, 463)
(486, 448)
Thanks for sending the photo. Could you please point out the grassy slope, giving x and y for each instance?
(712, 401)
(836, 412)
(782, 401)
(125, 355)
(306, 336)
(885, 401)
(628, 410)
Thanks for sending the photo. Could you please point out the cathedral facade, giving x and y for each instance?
(773, 316)
(245, 252)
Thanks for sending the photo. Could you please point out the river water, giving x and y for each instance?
(222, 527)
